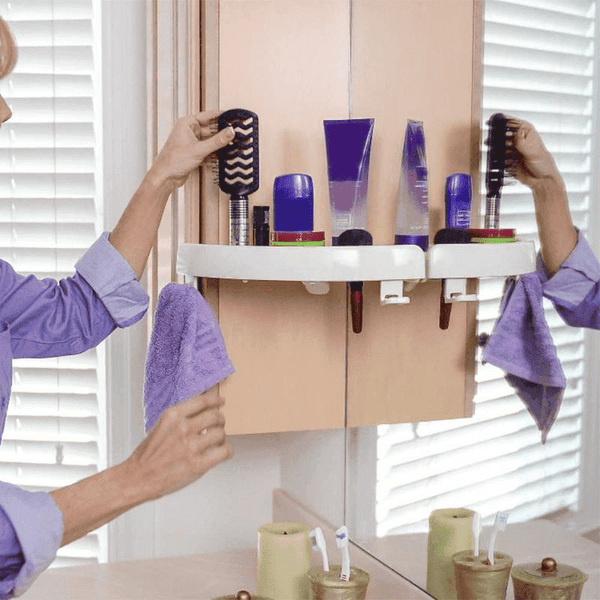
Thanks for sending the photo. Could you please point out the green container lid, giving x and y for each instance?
(547, 580)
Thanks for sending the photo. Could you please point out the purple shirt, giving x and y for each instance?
(575, 288)
(41, 318)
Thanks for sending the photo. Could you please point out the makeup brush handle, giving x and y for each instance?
(356, 306)
(445, 310)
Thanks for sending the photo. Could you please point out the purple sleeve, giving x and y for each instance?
(31, 528)
(57, 318)
(575, 288)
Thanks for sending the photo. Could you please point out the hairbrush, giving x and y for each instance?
(238, 170)
(498, 134)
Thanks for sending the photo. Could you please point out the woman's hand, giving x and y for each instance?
(189, 143)
(528, 159)
(531, 163)
(187, 441)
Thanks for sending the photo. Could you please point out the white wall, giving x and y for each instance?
(312, 471)
(222, 510)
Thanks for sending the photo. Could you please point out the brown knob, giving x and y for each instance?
(243, 595)
(549, 565)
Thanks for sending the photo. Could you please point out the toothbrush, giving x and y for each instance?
(476, 525)
(499, 525)
(341, 538)
(320, 545)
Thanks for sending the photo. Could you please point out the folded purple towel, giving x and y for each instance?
(187, 354)
(521, 345)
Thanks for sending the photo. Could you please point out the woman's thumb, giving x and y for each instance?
(221, 139)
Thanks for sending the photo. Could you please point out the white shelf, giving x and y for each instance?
(480, 260)
(302, 263)
(315, 266)
(456, 263)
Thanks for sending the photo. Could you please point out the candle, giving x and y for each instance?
(284, 558)
(450, 532)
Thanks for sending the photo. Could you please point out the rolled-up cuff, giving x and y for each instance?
(38, 524)
(114, 281)
(576, 277)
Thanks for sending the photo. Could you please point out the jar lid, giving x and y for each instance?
(549, 573)
(242, 595)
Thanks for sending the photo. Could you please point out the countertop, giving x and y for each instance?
(199, 577)
(206, 576)
(527, 542)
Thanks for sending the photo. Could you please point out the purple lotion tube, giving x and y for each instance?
(348, 144)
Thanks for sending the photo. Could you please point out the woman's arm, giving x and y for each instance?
(185, 149)
(187, 441)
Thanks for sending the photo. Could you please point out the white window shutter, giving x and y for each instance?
(50, 213)
(539, 65)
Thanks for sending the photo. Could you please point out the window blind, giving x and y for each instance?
(539, 65)
(50, 213)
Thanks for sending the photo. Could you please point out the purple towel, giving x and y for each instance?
(187, 354)
(521, 345)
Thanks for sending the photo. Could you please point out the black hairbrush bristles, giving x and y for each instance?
(496, 168)
(238, 170)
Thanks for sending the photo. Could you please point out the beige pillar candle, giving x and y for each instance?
(450, 531)
(284, 558)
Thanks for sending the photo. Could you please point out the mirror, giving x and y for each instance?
(398, 474)
(392, 60)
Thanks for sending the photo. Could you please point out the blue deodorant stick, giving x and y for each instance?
(459, 190)
(293, 204)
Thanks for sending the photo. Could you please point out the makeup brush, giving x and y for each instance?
(356, 237)
(449, 235)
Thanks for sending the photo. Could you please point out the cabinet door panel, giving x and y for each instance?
(403, 368)
(288, 347)
(414, 60)
(288, 61)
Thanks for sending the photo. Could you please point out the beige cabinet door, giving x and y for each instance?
(288, 61)
(414, 60)
(296, 63)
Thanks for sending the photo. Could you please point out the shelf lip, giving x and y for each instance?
(356, 263)
(300, 263)
(457, 261)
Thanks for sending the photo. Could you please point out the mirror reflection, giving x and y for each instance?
(494, 461)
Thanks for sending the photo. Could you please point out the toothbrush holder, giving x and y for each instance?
(327, 585)
(477, 579)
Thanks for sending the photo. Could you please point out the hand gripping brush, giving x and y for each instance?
(238, 170)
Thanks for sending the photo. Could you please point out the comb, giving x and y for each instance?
(496, 167)
(238, 170)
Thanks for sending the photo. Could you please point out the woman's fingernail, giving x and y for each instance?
(230, 132)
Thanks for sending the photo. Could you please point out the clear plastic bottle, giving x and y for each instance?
(412, 212)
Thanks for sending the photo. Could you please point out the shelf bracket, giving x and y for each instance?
(317, 287)
(392, 292)
(455, 290)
